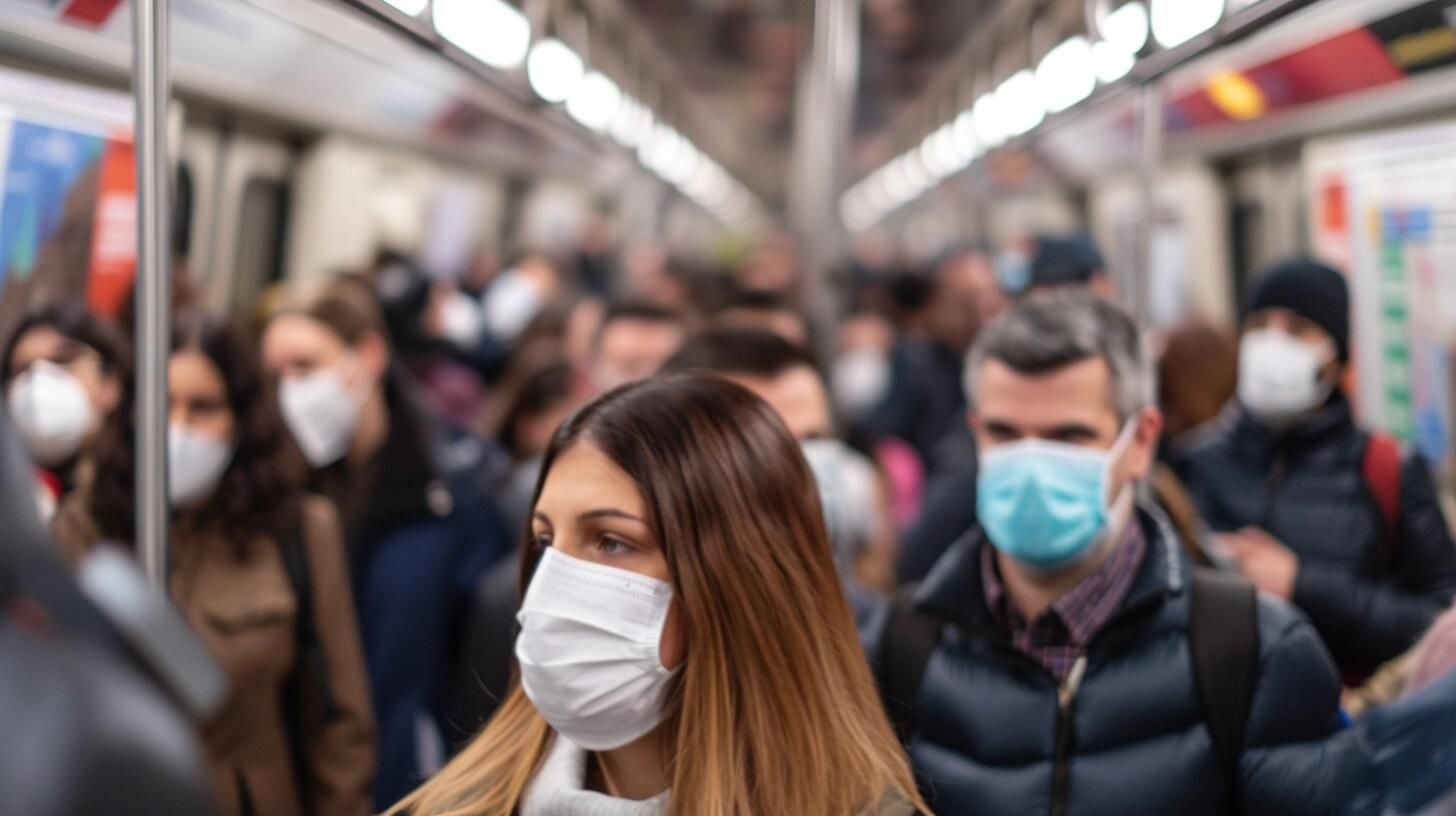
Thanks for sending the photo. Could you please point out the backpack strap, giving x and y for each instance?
(1380, 470)
(307, 700)
(1223, 636)
(906, 644)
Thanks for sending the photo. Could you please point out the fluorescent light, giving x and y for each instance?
(410, 7)
(990, 130)
(1018, 105)
(1175, 22)
(1064, 75)
(968, 147)
(626, 126)
(492, 31)
(1110, 62)
(595, 101)
(1126, 27)
(554, 70)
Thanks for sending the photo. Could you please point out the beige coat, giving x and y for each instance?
(243, 610)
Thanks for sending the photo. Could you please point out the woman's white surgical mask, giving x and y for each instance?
(510, 305)
(322, 412)
(589, 650)
(195, 464)
(1279, 376)
(51, 411)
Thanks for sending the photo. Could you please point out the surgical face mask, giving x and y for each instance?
(51, 411)
(1047, 503)
(322, 412)
(461, 321)
(510, 305)
(848, 486)
(1279, 376)
(195, 464)
(860, 379)
(589, 650)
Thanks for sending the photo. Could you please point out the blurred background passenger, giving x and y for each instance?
(518, 294)
(853, 492)
(766, 311)
(860, 374)
(657, 672)
(632, 342)
(924, 405)
(420, 528)
(63, 372)
(1058, 261)
(1311, 507)
(1198, 371)
(258, 569)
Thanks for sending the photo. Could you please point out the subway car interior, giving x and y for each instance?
(1111, 342)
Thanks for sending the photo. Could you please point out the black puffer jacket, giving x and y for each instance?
(988, 716)
(1306, 487)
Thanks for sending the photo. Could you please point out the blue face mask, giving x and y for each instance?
(1046, 503)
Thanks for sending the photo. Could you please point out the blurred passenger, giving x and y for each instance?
(518, 294)
(772, 267)
(63, 372)
(1197, 374)
(925, 405)
(788, 379)
(416, 309)
(1435, 657)
(1060, 656)
(765, 311)
(1313, 508)
(595, 262)
(420, 532)
(545, 399)
(632, 343)
(1058, 261)
(860, 376)
(258, 570)
(648, 277)
(657, 675)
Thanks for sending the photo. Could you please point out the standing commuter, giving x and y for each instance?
(420, 532)
(1061, 657)
(258, 570)
(677, 655)
(1316, 509)
(63, 372)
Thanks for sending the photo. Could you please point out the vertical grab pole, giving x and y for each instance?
(151, 91)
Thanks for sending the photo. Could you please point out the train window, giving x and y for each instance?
(182, 212)
(260, 240)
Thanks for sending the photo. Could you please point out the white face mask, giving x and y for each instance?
(511, 304)
(589, 650)
(848, 487)
(51, 411)
(195, 464)
(461, 320)
(860, 379)
(1279, 376)
(322, 412)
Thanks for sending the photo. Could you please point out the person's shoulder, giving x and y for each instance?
(1289, 645)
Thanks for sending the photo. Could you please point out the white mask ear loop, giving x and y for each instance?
(1116, 452)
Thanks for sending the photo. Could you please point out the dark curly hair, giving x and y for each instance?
(260, 490)
(73, 321)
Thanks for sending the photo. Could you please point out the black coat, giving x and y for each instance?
(988, 716)
(1307, 488)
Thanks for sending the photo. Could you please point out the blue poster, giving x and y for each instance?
(43, 165)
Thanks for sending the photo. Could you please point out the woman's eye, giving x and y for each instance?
(613, 546)
(541, 541)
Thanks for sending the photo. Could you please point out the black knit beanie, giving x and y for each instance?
(1311, 290)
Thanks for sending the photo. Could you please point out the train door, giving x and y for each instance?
(251, 215)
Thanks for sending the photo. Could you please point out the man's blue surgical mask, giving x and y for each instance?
(1046, 503)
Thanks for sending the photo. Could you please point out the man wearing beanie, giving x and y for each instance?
(1309, 506)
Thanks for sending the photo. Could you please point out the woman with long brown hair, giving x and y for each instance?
(685, 647)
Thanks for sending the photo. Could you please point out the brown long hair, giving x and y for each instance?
(774, 710)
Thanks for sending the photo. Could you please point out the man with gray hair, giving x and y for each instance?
(1062, 657)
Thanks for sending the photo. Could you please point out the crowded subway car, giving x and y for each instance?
(731, 407)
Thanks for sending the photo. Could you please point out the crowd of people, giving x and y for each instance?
(624, 535)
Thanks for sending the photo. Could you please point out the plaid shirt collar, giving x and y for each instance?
(1061, 633)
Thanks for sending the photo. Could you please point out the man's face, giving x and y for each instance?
(1072, 405)
(967, 297)
(1306, 331)
(799, 397)
(631, 350)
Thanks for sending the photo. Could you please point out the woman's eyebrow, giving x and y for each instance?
(608, 512)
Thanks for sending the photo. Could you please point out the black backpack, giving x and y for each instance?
(1223, 638)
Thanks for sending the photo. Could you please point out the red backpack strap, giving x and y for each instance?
(1381, 471)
